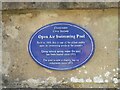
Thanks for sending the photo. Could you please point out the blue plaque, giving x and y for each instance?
(61, 46)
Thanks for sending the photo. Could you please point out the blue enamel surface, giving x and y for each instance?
(74, 49)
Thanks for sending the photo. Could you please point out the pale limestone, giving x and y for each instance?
(103, 26)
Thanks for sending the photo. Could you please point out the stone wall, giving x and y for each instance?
(21, 20)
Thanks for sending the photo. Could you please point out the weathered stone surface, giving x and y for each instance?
(0, 45)
(21, 71)
(58, 5)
